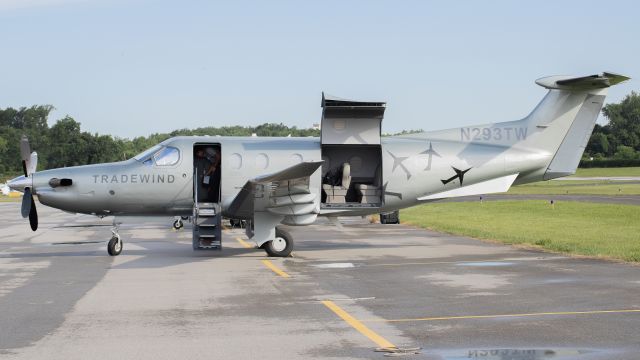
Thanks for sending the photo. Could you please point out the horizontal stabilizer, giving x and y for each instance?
(496, 185)
(562, 82)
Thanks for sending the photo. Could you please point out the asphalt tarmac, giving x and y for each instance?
(347, 291)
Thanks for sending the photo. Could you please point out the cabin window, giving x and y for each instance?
(167, 156)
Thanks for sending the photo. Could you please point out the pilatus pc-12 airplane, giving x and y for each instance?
(349, 171)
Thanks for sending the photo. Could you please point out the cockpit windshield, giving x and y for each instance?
(145, 154)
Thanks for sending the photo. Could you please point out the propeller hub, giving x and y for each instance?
(20, 183)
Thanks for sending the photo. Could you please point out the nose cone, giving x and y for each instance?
(19, 183)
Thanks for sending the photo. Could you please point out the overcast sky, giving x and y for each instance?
(133, 67)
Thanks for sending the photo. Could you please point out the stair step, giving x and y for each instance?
(203, 236)
(207, 225)
(210, 246)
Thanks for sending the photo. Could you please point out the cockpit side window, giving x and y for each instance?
(167, 156)
(143, 155)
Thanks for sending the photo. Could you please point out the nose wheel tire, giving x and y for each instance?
(114, 247)
(178, 224)
(281, 246)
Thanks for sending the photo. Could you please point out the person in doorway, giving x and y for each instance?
(214, 174)
(202, 166)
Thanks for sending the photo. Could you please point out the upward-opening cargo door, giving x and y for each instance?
(348, 122)
(350, 138)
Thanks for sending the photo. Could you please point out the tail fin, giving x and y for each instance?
(563, 121)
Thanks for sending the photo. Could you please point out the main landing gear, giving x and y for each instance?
(114, 247)
(281, 246)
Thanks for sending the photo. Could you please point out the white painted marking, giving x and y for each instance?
(334, 266)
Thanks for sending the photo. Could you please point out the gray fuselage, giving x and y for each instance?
(409, 171)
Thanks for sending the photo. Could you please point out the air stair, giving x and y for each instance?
(207, 226)
(207, 223)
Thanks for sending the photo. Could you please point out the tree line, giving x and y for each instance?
(65, 144)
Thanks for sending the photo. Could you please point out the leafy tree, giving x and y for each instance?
(599, 144)
(68, 147)
(624, 120)
(626, 153)
(620, 137)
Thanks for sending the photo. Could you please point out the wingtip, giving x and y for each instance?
(614, 78)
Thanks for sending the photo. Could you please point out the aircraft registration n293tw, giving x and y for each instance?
(349, 171)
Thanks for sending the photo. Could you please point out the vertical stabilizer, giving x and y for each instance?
(564, 119)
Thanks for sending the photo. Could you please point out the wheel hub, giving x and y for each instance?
(279, 244)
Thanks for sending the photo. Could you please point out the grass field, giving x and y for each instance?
(577, 188)
(622, 171)
(600, 230)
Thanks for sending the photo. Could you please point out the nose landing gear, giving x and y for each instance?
(178, 224)
(114, 247)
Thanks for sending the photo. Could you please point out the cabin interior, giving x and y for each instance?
(351, 150)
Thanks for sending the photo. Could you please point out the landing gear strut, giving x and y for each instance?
(281, 246)
(114, 247)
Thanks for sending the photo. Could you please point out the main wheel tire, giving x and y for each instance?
(281, 246)
(178, 224)
(390, 217)
(114, 248)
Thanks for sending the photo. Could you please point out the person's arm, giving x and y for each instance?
(216, 163)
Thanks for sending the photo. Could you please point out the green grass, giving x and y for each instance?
(577, 187)
(622, 171)
(600, 230)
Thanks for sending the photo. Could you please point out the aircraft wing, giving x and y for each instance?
(285, 192)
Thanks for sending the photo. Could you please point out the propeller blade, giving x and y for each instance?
(27, 201)
(33, 216)
(25, 154)
(25, 148)
(33, 162)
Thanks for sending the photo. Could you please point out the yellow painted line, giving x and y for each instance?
(244, 243)
(508, 315)
(275, 269)
(362, 328)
